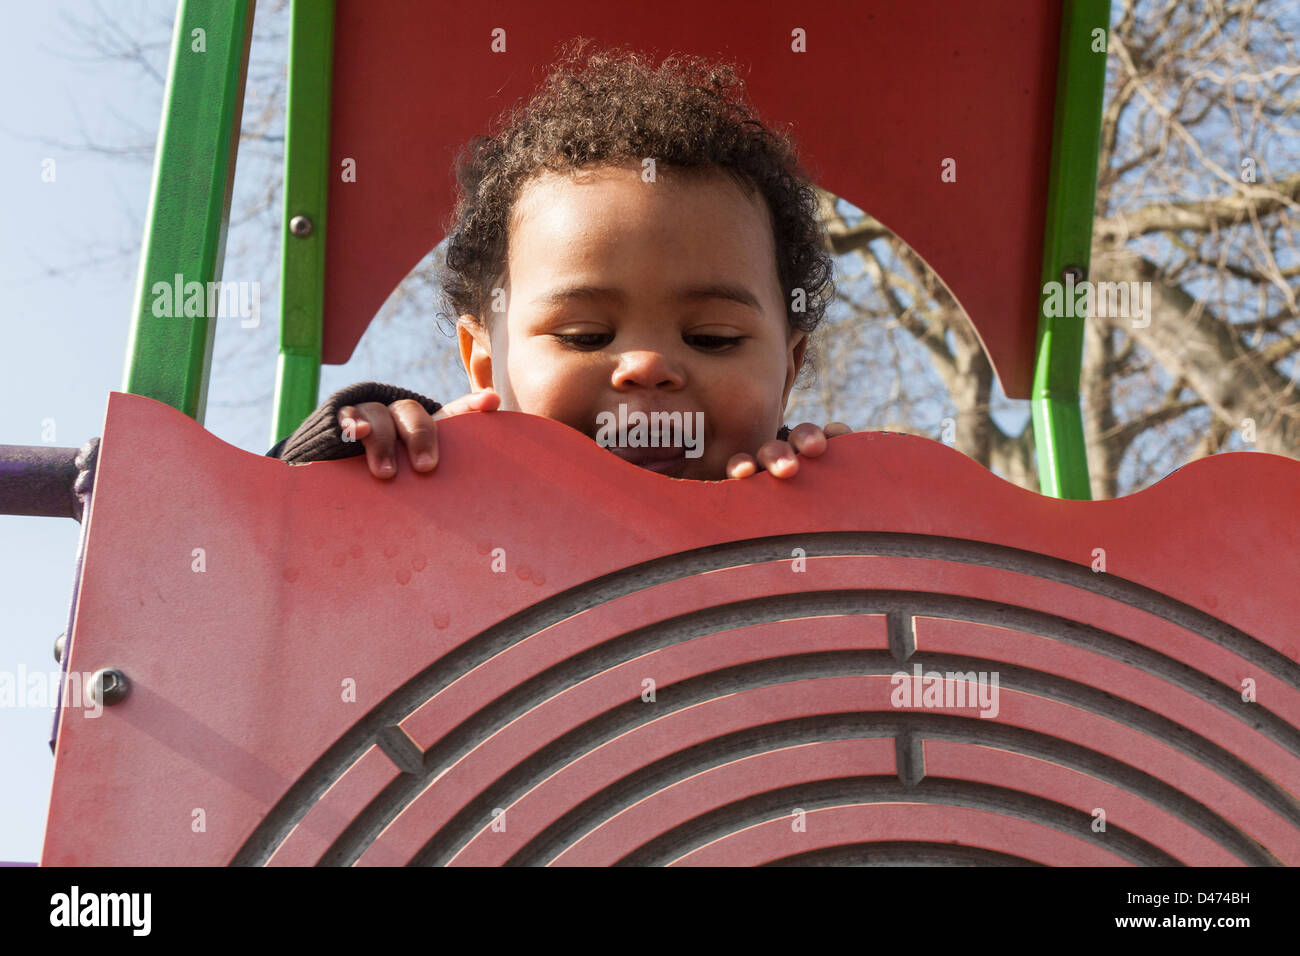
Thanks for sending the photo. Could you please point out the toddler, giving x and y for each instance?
(633, 243)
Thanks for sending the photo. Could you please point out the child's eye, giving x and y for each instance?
(714, 342)
(585, 340)
(596, 340)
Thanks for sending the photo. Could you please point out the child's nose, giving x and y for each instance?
(647, 368)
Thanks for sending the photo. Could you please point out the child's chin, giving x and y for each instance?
(681, 467)
(685, 469)
(671, 468)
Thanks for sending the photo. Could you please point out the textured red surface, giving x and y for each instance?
(505, 717)
(884, 94)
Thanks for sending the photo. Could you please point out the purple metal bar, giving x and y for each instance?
(38, 480)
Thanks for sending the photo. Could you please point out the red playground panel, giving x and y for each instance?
(894, 656)
(971, 83)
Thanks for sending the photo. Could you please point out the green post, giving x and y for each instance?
(169, 353)
(1067, 246)
(306, 193)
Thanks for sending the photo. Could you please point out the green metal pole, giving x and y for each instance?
(169, 353)
(306, 194)
(1067, 246)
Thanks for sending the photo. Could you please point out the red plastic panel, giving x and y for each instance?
(330, 816)
(933, 82)
(532, 655)
(991, 767)
(891, 823)
(1157, 693)
(714, 724)
(677, 805)
(605, 665)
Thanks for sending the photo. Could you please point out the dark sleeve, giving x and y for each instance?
(319, 438)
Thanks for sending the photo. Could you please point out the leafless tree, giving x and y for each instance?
(1197, 194)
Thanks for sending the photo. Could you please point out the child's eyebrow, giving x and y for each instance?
(709, 290)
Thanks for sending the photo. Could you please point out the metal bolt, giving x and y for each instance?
(60, 643)
(1073, 271)
(300, 226)
(108, 686)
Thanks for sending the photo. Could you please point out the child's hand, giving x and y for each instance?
(378, 426)
(779, 457)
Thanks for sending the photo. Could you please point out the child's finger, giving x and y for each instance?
(380, 441)
(836, 428)
(417, 431)
(484, 401)
(352, 427)
(741, 466)
(779, 458)
(807, 439)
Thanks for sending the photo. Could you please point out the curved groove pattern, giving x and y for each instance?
(662, 775)
(619, 842)
(776, 840)
(709, 689)
(901, 853)
(897, 607)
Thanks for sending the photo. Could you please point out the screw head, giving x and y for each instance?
(60, 643)
(108, 686)
(1072, 272)
(300, 226)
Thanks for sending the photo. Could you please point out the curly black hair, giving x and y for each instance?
(611, 107)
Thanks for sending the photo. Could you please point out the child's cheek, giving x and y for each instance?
(541, 388)
(752, 417)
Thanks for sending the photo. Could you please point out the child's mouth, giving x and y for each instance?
(662, 461)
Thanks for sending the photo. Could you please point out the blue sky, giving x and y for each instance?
(65, 340)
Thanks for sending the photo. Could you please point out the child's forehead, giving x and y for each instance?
(694, 218)
(558, 239)
(680, 184)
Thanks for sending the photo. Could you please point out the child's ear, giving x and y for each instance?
(798, 345)
(475, 352)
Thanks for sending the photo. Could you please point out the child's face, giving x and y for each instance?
(627, 264)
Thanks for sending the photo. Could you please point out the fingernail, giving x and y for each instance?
(386, 465)
(423, 460)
